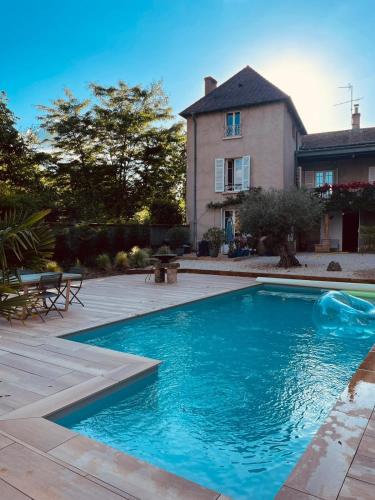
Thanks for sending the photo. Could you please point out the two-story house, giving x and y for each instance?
(247, 133)
(242, 133)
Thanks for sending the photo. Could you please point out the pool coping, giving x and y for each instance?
(256, 274)
(339, 462)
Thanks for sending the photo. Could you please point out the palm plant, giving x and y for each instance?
(25, 240)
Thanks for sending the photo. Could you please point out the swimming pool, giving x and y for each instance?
(246, 381)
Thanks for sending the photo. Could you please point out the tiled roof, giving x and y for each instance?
(339, 139)
(245, 88)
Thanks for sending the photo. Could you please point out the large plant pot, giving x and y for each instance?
(214, 252)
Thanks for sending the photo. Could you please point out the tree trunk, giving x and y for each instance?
(287, 257)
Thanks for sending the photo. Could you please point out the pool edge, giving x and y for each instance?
(332, 463)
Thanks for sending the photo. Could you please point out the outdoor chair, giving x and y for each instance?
(151, 270)
(24, 272)
(20, 303)
(50, 291)
(76, 286)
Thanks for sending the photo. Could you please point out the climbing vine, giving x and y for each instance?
(231, 200)
(349, 197)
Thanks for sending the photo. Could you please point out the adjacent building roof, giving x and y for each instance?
(245, 88)
(339, 139)
(338, 144)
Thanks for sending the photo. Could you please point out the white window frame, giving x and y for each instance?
(234, 130)
(234, 163)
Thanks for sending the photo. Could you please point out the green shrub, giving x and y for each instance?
(138, 257)
(148, 251)
(163, 250)
(215, 236)
(121, 260)
(78, 268)
(103, 262)
(178, 236)
(53, 267)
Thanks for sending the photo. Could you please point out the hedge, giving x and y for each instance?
(86, 242)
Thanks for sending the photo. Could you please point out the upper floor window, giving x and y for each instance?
(232, 174)
(233, 124)
(324, 177)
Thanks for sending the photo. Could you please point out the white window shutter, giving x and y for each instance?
(371, 174)
(309, 179)
(299, 177)
(245, 173)
(219, 175)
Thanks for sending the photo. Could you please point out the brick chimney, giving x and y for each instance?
(356, 117)
(210, 84)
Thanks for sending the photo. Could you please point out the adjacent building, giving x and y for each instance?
(247, 133)
(341, 157)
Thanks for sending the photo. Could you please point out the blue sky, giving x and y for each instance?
(306, 48)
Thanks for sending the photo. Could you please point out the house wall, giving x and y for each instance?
(291, 137)
(347, 170)
(266, 136)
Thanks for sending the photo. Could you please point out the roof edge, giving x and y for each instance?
(288, 101)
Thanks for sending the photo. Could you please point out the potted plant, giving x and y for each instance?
(177, 237)
(215, 236)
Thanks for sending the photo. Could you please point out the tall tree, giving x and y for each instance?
(21, 164)
(117, 151)
(74, 170)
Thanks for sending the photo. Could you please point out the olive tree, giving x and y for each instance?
(280, 215)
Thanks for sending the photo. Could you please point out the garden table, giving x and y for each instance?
(30, 280)
(162, 265)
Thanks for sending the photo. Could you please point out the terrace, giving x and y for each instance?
(42, 374)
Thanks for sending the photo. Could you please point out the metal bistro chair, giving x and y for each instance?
(76, 286)
(48, 283)
(152, 261)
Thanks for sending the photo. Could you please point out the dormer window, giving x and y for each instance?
(233, 124)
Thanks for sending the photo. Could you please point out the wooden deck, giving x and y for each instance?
(41, 374)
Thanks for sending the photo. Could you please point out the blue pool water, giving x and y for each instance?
(246, 381)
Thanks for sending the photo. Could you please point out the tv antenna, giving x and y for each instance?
(351, 101)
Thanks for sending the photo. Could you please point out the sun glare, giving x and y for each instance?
(314, 90)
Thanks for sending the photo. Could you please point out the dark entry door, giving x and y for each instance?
(350, 223)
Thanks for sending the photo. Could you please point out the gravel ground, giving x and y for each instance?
(353, 265)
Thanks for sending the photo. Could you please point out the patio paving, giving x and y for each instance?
(354, 265)
(41, 374)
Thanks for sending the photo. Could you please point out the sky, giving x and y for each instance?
(307, 48)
